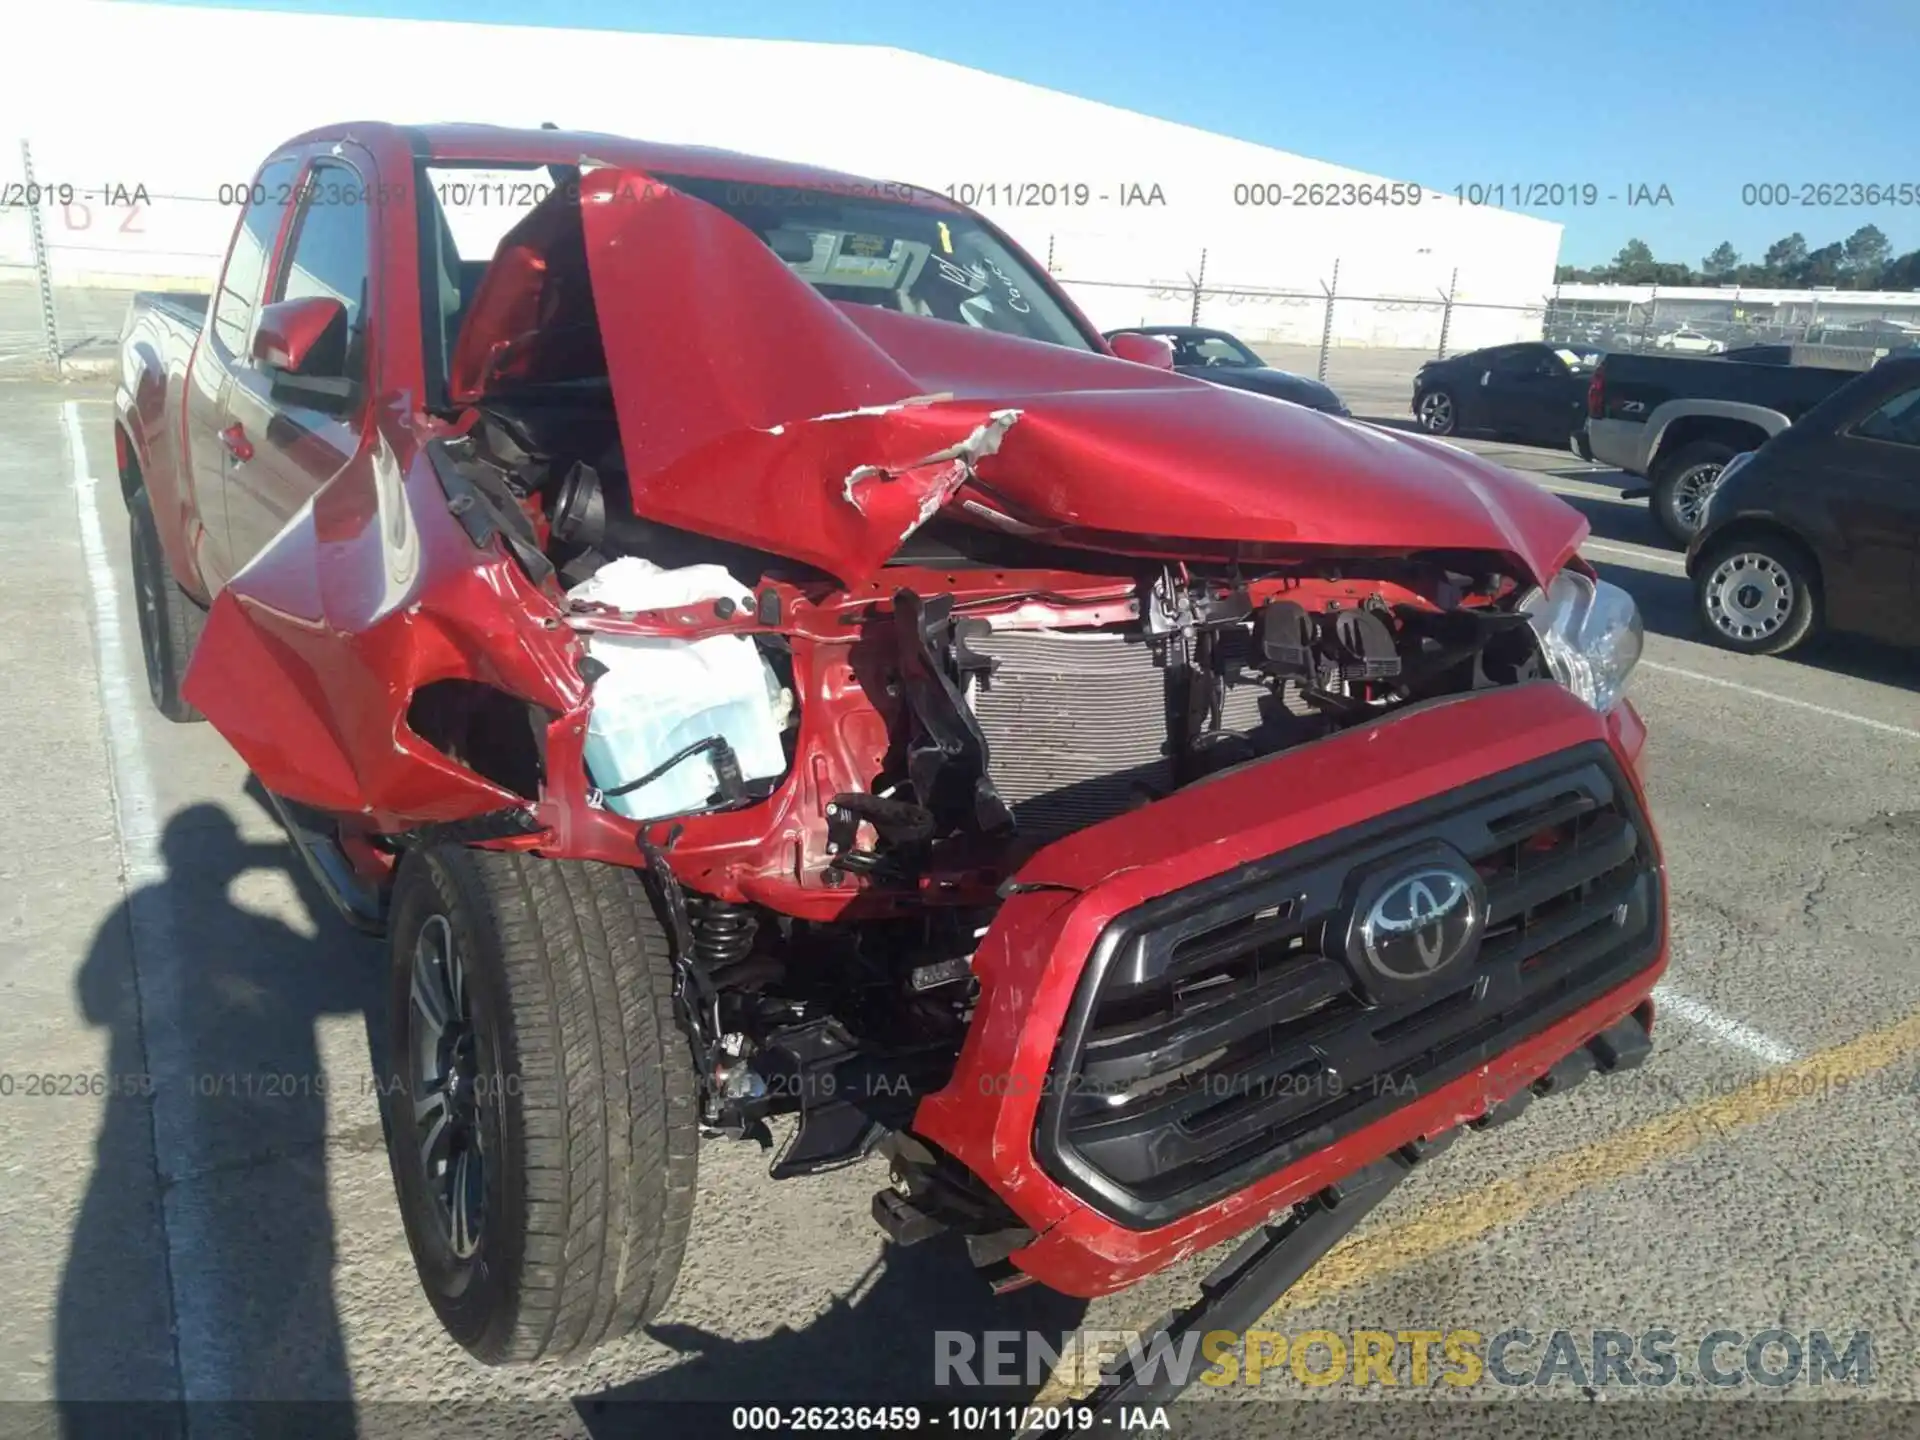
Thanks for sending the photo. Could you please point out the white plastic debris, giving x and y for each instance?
(660, 695)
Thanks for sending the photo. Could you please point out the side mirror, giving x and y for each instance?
(302, 345)
(1143, 349)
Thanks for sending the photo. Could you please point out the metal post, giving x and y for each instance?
(1326, 328)
(1446, 315)
(42, 269)
(1198, 281)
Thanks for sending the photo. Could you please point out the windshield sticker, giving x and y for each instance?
(861, 259)
(946, 239)
(971, 278)
(1015, 302)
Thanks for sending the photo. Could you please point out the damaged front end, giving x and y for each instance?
(852, 654)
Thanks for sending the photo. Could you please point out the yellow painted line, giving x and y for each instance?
(1452, 1224)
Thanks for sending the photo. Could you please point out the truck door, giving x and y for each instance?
(1876, 505)
(289, 447)
(223, 346)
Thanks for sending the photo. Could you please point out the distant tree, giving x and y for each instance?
(1825, 266)
(1863, 261)
(1866, 253)
(1783, 257)
(1722, 263)
(1634, 265)
(1901, 274)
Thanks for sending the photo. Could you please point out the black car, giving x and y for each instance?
(1222, 358)
(1533, 391)
(1820, 525)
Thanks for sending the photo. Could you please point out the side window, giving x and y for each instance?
(1897, 421)
(246, 271)
(1214, 351)
(1516, 362)
(329, 254)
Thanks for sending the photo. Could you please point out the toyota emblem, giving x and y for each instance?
(1421, 922)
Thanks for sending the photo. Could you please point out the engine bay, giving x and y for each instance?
(843, 828)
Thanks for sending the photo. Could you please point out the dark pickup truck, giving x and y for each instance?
(1677, 420)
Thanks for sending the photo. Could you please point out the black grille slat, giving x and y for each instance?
(1606, 846)
(1164, 1100)
(1542, 935)
(1128, 1053)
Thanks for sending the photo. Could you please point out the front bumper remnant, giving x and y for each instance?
(1238, 1292)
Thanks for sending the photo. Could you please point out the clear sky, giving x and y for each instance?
(1701, 96)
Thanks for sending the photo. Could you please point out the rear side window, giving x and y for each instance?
(1897, 421)
(246, 270)
(330, 253)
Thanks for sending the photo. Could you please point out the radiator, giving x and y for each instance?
(1075, 722)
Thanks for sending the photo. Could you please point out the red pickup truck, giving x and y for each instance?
(759, 656)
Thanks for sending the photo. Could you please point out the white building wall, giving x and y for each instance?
(182, 101)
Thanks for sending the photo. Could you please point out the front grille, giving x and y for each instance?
(1223, 1032)
(1076, 724)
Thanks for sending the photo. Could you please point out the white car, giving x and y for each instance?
(1685, 339)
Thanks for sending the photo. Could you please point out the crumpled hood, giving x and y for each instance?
(752, 409)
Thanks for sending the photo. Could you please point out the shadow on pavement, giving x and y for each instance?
(877, 1348)
(239, 1126)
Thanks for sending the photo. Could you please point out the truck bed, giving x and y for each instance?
(1650, 381)
(189, 307)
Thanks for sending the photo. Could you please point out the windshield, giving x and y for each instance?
(1218, 352)
(919, 261)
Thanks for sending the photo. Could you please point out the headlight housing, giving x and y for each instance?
(1590, 635)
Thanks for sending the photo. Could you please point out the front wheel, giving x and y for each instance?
(1683, 483)
(1437, 413)
(1757, 596)
(539, 1099)
(170, 623)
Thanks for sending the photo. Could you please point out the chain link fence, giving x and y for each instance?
(65, 280)
(1368, 347)
(1691, 323)
(1362, 323)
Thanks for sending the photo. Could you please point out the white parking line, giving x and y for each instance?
(1651, 557)
(155, 947)
(1574, 491)
(1723, 1028)
(1885, 726)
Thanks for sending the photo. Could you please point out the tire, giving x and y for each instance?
(1682, 484)
(170, 621)
(1437, 412)
(1757, 596)
(573, 1097)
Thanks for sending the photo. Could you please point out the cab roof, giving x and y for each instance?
(504, 145)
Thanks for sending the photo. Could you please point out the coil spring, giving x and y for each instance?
(723, 933)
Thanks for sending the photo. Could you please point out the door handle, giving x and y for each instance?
(235, 439)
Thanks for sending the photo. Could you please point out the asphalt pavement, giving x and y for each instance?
(195, 1204)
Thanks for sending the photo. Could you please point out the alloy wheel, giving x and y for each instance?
(1749, 596)
(1436, 412)
(444, 1085)
(1693, 489)
(146, 594)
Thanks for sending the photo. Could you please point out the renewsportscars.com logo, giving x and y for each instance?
(1413, 1359)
